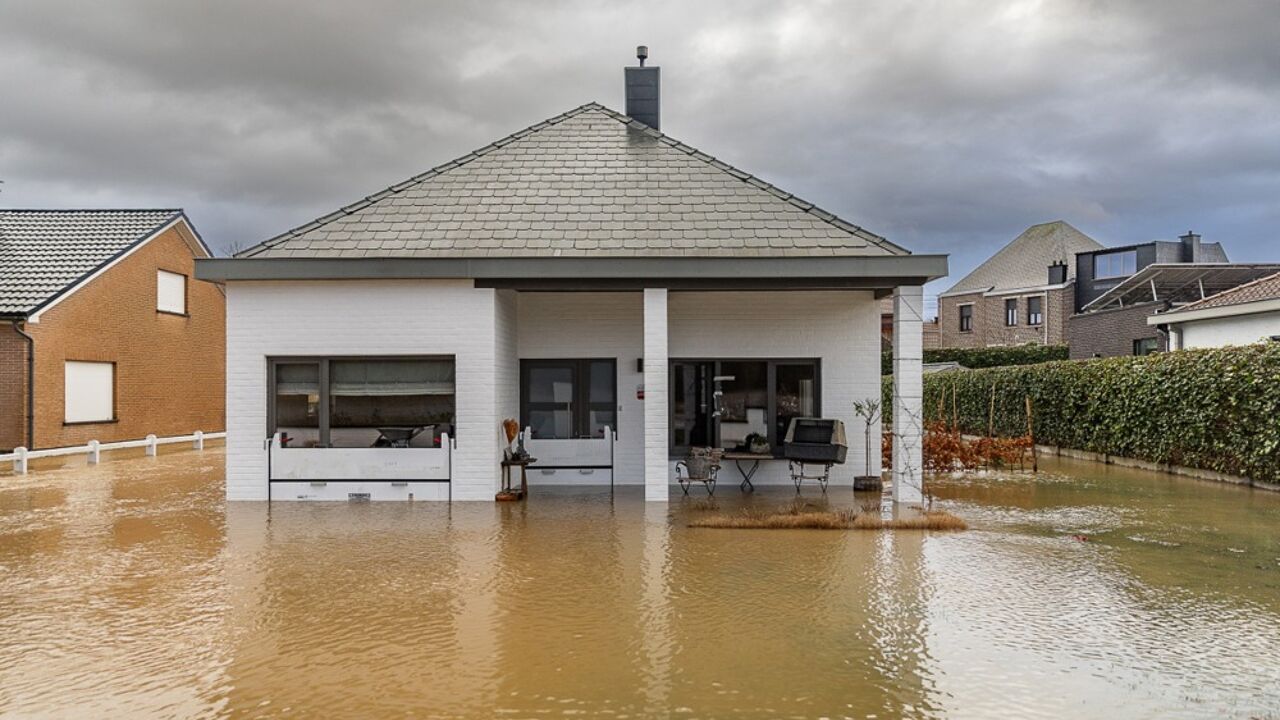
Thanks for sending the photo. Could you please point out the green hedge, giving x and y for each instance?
(1215, 409)
(985, 357)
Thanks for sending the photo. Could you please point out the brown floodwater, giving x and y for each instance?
(132, 589)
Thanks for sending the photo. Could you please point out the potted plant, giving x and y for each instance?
(757, 443)
(869, 411)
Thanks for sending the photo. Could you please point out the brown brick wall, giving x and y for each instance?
(988, 320)
(170, 369)
(13, 388)
(1109, 333)
(949, 321)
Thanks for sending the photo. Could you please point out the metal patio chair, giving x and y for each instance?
(701, 465)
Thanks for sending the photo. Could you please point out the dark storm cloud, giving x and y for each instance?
(946, 126)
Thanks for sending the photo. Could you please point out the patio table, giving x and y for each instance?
(747, 473)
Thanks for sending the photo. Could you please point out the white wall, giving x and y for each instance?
(594, 325)
(1238, 330)
(840, 328)
(389, 317)
(488, 331)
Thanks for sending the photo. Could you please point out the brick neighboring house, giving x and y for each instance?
(100, 310)
(1021, 295)
(1118, 289)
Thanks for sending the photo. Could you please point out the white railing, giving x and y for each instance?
(94, 449)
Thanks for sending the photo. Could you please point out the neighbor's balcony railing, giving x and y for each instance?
(20, 456)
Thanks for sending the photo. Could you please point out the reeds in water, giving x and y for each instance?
(800, 515)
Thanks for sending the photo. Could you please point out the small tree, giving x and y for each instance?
(869, 411)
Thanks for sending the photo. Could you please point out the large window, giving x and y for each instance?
(1115, 264)
(756, 397)
(1035, 311)
(363, 402)
(89, 392)
(567, 399)
(171, 292)
(966, 318)
(1011, 312)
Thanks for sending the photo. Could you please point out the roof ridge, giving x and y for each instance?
(828, 217)
(746, 177)
(1229, 291)
(171, 211)
(417, 179)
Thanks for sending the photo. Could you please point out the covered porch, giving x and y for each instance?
(616, 378)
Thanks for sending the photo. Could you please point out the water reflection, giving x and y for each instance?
(131, 588)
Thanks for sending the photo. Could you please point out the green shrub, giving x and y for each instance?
(1215, 409)
(985, 357)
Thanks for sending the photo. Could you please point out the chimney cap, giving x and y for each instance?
(642, 53)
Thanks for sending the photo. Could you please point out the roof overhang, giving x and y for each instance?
(1179, 283)
(599, 273)
(1210, 313)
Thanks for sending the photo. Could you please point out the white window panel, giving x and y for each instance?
(171, 292)
(90, 391)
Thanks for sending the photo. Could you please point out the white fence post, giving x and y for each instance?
(151, 445)
(95, 452)
(199, 443)
(20, 460)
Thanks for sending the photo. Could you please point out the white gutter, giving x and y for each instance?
(1189, 315)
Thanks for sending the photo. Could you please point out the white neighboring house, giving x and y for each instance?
(1242, 315)
(589, 276)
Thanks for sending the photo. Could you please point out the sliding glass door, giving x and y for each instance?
(756, 397)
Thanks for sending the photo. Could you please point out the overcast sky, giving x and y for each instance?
(945, 126)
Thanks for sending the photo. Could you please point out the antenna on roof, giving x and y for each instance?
(642, 53)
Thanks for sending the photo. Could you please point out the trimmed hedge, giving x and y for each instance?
(985, 357)
(1215, 409)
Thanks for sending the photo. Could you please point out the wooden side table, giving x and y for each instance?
(507, 492)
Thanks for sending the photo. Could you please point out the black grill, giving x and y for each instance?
(815, 440)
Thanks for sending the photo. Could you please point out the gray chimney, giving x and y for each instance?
(1190, 247)
(1057, 273)
(642, 91)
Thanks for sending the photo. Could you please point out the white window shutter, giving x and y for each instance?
(89, 391)
(171, 292)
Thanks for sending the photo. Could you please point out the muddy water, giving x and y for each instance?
(132, 589)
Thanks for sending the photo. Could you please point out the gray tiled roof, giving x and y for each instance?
(43, 252)
(1025, 261)
(589, 182)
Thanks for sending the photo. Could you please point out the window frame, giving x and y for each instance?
(581, 369)
(1098, 274)
(115, 394)
(964, 326)
(1138, 343)
(1011, 312)
(771, 382)
(186, 293)
(1035, 319)
(323, 409)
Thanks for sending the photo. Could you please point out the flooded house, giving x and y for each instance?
(620, 295)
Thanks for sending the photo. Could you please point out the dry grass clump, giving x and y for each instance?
(799, 515)
(704, 504)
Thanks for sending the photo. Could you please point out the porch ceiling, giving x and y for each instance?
(600, 273)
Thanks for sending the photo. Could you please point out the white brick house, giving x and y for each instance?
(588, 276)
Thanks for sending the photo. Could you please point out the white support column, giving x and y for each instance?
(908, 394)
(656, 431)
